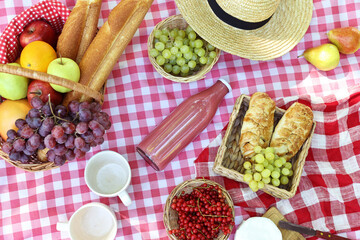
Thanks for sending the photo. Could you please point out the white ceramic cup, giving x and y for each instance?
(108, 174)
(92, 221)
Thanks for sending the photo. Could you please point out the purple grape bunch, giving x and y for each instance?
(67, 132)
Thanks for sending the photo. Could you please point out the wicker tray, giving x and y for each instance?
(10, 52)
(229, 161)
(171, 216)
(177, 21)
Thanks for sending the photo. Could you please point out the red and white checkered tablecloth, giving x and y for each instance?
(137, 98)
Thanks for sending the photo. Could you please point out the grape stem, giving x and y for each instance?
(52, 112)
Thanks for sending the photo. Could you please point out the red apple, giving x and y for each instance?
(38, 30)
(42, 90)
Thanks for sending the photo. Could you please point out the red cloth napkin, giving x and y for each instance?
(54, 12)
(329, 191)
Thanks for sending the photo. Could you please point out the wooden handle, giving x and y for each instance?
(327, 235)
(16, 70)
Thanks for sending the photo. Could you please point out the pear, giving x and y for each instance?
(346, 39)
(324, 57)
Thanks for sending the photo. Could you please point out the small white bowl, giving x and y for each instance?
(92, 221)
(258, 228)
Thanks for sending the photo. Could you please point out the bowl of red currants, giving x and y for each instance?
(199, 209)
(178, 53)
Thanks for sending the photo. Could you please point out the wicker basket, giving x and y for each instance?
(178, 21)
(171, 216)
(229, 161)
(39, 162)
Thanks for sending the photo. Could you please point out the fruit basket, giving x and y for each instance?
(55, 13)
(177, 21)
(229, 160)
(171, 216)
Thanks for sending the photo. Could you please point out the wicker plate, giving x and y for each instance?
(171, 216)
(177, 21)
(229, 161)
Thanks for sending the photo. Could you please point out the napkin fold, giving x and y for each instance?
(329, 191)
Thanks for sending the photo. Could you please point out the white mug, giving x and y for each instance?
(92, 221)
(108, 174)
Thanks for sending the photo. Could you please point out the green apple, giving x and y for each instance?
(65, 68)
(13, 87)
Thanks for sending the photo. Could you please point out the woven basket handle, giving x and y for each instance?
(78, 87)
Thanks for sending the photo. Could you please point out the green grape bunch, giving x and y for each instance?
(266, 168)
(181, 52)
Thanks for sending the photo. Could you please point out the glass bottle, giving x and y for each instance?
(182, 125)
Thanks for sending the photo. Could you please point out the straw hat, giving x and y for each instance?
(254, 29)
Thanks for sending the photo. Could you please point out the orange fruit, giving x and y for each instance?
(37, 55)
(10, 111)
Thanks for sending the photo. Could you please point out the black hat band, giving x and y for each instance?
(233, 21)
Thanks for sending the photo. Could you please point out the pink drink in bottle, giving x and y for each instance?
(182, 125)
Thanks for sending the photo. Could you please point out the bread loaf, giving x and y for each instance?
(79, 30)
(258, 124)
(292, 130)
(109, 43)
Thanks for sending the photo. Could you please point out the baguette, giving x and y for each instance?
(292, 130)
(79, 30)
(108, 45)
(258, 124)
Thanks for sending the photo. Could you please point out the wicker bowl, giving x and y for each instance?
(170, 215)
(229, 160)
(10, 50)
(177, 21)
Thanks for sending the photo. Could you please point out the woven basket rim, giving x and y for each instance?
(30, 167)
(189, 183)
(195, 77)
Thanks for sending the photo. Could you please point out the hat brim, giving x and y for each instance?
(284, 30)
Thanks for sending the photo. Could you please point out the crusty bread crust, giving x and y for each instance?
(109, 43)
(90, 28)
(258, 124)
(292, 130)
(79, 30)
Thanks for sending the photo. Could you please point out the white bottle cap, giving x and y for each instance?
(226, 82)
